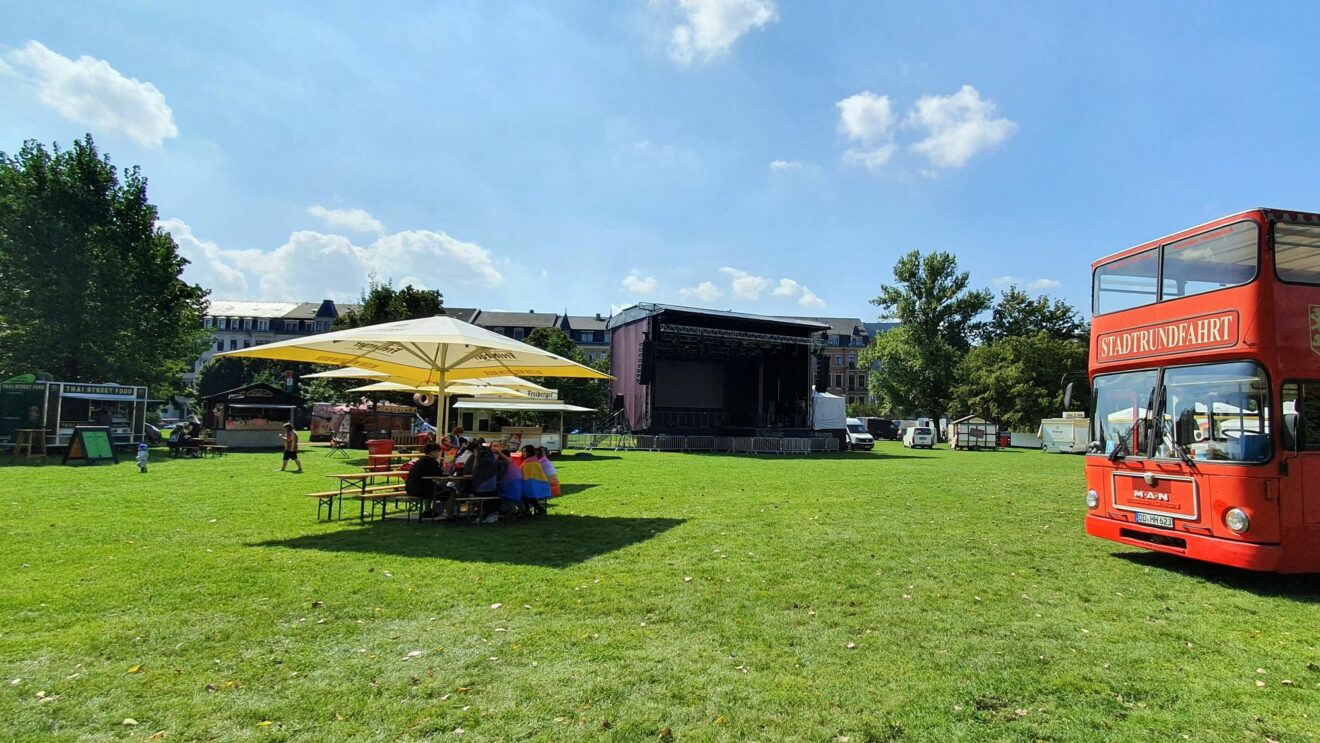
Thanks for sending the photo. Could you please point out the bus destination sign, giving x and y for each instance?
(1201, 333)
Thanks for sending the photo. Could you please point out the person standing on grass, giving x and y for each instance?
(290, 439)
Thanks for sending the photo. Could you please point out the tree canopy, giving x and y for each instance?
(381, 302)
(90, 287)
(1017, 314)
(1016, 380)
(915, 363)
(589, 393)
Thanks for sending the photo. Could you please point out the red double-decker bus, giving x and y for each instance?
(1205, 374)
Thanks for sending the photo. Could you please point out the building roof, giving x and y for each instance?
(876, 328)
(587, 322)
(240, 308)
(638, 311)
(465, 314)
(530, 319)
(308, 310)
(840, 325)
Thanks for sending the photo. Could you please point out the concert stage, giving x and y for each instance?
(696, 371)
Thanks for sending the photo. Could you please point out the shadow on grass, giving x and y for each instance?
(1302, 588)
(587, 456)
(555, 541)
(575, 487)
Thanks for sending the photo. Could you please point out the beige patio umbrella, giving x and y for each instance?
(346, 372)
(461, 387)
(431, 351)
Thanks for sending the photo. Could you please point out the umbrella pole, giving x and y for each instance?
(442, 409)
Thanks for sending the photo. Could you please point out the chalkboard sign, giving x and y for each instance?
(90, 444)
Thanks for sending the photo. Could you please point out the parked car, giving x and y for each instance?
(858, 436)
(919, 437)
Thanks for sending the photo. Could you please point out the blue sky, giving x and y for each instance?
(763, 156)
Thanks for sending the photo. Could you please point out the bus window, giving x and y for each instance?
(1297, 253)
(1215, 412)
(1126, 283)
(1212, 260)
(1119, 418)
(1301, 416)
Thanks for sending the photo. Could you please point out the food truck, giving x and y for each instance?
(973, 433)
(250, 417)
(27, 403)
(480, 418)
(1067, 435)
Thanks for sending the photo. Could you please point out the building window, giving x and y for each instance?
(247, 323)
(233, 344)
(220, 323)
(263, 324)
(852, 361)
(838, 381)
(207, 322)
(517, 334)
(247, 344)
(838, 359)
(220, 345)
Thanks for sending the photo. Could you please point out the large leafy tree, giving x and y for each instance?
(381, 302)
(588, 393)
(1018, 314)
(90, 288)
(1016, 381)
(914, 364)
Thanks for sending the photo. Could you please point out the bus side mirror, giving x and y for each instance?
(1067, 396)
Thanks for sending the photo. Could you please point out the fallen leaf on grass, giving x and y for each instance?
(1286, 682)
(496, 606)
(413, 654)
(129, 722)
(135, 669)
(851, 646)
(265, 724)
(15, 682)
(1259, 682)
(687, 579)
(1021, 712)
(666, 734)
(159, 734)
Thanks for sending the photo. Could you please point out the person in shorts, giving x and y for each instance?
(290, 439)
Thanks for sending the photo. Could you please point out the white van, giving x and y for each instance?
(858, 436)
(919, 437)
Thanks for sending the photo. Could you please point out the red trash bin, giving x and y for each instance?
(1005, 439)
(379, 446)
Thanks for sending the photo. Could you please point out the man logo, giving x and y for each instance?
(1315, 328)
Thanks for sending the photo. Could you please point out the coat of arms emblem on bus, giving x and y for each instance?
(1315, 328)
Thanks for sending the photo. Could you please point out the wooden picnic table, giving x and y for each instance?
(470, 499)
(361, 480)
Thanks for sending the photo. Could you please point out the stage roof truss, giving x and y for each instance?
(740, 335)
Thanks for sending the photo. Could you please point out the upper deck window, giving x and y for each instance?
(1219, 258)
(1297, 252)
(1128, 282)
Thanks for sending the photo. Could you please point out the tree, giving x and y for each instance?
(1017, 314)
(915, 363)
(588, 393)
(90, 288)
(382, 303)
(1015, 381)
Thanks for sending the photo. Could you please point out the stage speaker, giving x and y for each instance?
(645, 362)
(822, 372)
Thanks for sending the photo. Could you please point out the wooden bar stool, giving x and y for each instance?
(26, 442)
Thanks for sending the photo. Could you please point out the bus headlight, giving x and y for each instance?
(1236, 519)
(1092, 499)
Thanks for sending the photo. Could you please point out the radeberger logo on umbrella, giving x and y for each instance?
(1204, 332)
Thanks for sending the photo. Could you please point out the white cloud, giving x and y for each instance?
(710, 27)
(957, 127)
(638, 284)
(1043, 284)
(1005, 280)
(744, 285)
(703, 292)
(808, 299)
(870, 158)
(787, 288)
(357, 220)
(866, 117)
(90, 91)
(785, 165)
(312, 265)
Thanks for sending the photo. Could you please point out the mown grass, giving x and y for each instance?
(892, 595)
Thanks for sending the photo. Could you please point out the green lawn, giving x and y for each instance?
(892, 595)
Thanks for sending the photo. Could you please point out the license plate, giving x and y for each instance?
(1154, 519)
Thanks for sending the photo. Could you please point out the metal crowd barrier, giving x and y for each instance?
(675, 443)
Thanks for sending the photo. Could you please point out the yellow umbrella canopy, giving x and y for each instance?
(346, 372)
(454, 388)
(431, 350)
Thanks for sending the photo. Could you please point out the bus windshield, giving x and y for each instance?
(1215, 259)
(1215, 412)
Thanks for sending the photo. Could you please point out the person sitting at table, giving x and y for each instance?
(485, 474)
(536, 486)
(417, 486)
(176, 438)
(543, 456)
(194, 427)
(510, 482)
(450, 454)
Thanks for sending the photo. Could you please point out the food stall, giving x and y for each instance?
(973, 433)
(27, 403)
(250, 417)
(478, 417)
